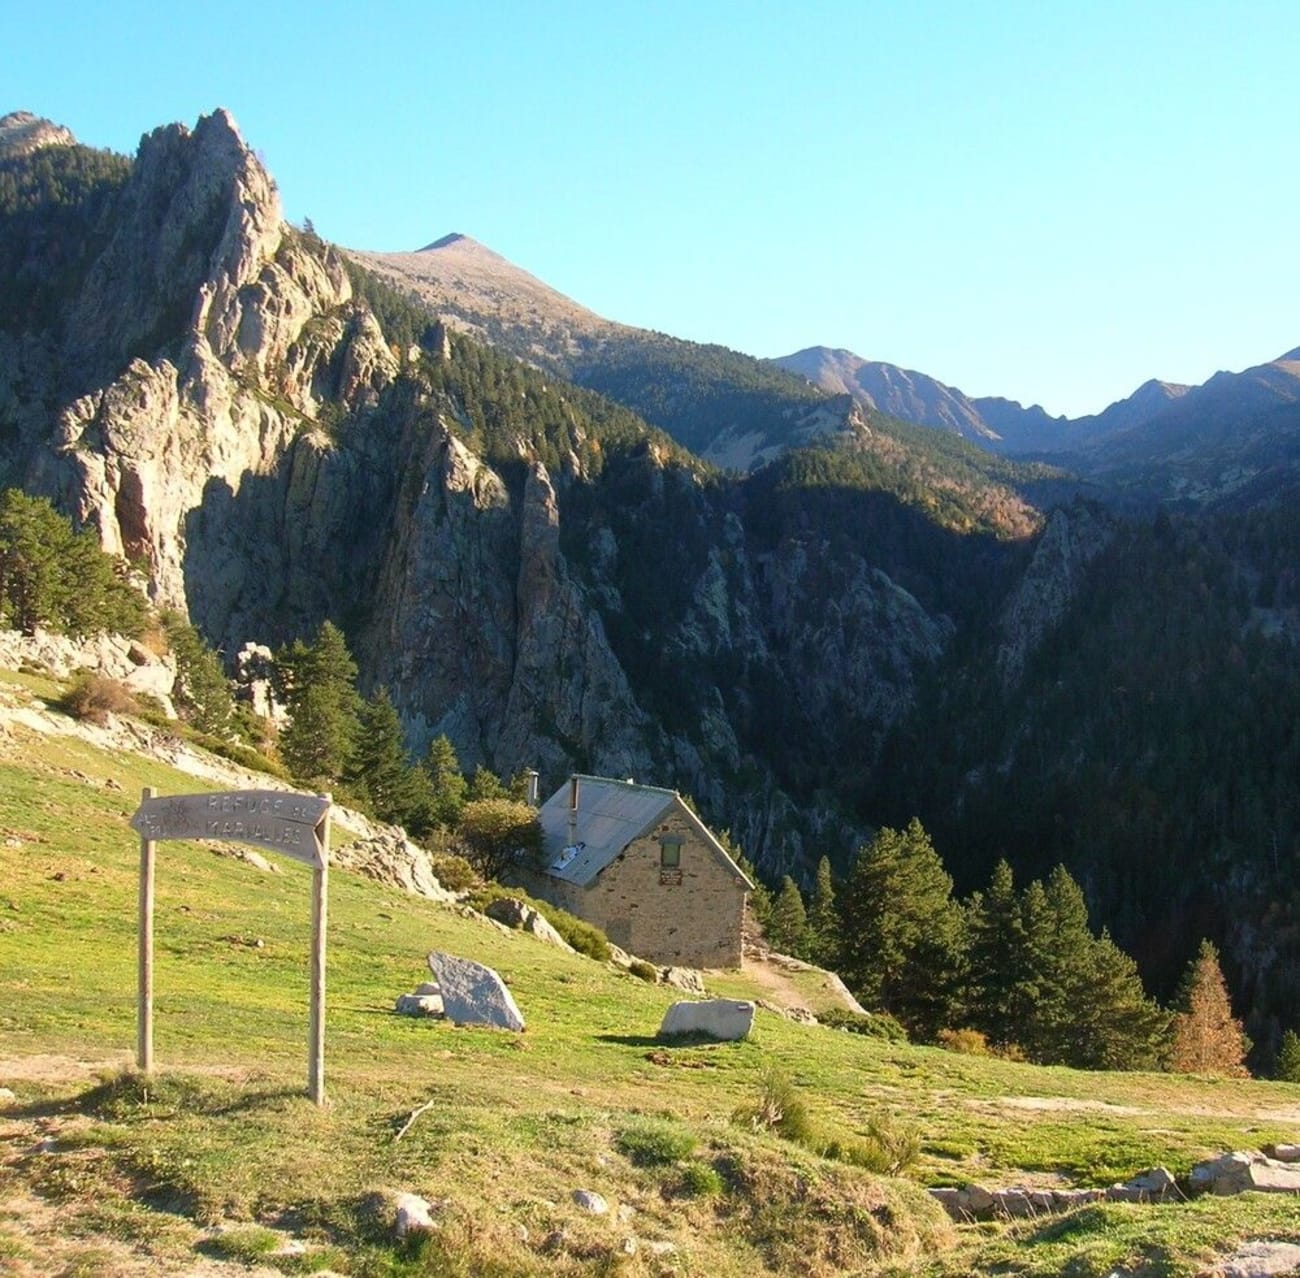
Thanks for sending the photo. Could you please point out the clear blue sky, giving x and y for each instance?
(1047, 201)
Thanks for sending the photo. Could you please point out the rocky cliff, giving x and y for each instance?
(526, 570)
(867, 627)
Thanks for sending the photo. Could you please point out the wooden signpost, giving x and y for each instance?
(297, 825)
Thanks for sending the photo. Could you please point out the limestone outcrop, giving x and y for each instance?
(21, 133)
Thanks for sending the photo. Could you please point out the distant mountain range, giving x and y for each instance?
(1003, 425)
(1201, 443)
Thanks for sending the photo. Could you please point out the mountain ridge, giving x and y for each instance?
(879, 612)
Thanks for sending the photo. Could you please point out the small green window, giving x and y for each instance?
(670, 853)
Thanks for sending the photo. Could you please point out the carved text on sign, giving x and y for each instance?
(268, 818)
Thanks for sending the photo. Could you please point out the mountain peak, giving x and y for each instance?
(446, 242)
(21, 133)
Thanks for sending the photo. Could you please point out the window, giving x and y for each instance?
(670, 853)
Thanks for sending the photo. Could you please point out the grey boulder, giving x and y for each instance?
(473, 994)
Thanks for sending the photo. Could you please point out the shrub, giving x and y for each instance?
(779, 1108)
(244, 755)
(887, 1147)
(873, 1025)
(454, 872)
(644, 971)
(652, 1144)
(497, 833)
(94, 697)
(585, 937)
(966, 1042)
(699, 1180)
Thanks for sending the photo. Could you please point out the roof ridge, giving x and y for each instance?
(626, 782)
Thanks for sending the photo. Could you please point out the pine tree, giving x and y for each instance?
(53, 577)
(1082, 1003)
(902, 935)
(1001, 992)
(448, 782)
(1057, 959)
(1288, 1058)
(1206, 1038)
(379, 767)
(201, 692)
(484, 784)
(824, 919)
(318, 685)
(787, 927)
(1119, 1027)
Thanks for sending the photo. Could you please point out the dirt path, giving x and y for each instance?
(796, 986)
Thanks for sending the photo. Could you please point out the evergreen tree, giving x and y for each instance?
(1288, 1058)
(759, 905)
(317, 682)
(787, 927)
(447, 781)
(53, 577)
(1089, 1009)
(201, 692)
(1002, 992)
(1057, 961)
(902, 935)
(824, 919)
(379, 768)
(517, 786)
(1206, 1038)
(1119, 1027)
(485, 784)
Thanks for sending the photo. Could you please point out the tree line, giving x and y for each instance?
(1021, 968)
(337, 739)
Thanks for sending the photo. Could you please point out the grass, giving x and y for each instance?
(584, 1098)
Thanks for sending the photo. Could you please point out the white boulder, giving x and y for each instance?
(726, 1019)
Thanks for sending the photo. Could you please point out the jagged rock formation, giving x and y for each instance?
(216, 403)
(1071, 540)
(21, 133)
(153, 449)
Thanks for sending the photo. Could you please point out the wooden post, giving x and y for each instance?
(144, 997)
(319, 914)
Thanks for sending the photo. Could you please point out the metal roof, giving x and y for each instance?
(611, 814)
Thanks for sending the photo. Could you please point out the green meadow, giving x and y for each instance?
(220, 1158)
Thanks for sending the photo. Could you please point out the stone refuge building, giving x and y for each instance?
(638, 863)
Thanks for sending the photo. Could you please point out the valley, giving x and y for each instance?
(821, 596)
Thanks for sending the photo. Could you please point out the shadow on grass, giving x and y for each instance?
(130, 1094)
(636, 1040)
(662, 1041)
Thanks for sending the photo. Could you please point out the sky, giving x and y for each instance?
(1045, 201)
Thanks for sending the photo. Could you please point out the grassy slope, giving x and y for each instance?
(520, 1121)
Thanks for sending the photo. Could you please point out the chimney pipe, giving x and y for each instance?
(530, 792)
(573, 810)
